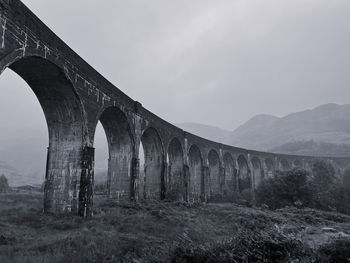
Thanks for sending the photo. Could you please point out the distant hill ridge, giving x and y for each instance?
(324, 130)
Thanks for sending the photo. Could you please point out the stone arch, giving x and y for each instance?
(244, 180)
(284, 164)
(196, 180)
(257, 171)
(175, 184)
(66, 180)
(230, 174)
(214, 173)
(151, 178)
(121, 152)
(269, 167)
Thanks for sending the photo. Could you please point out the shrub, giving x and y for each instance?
(337, 250)
(4, 186)
(285, 189)
(246, 246)
(323, 186)
(101, 188)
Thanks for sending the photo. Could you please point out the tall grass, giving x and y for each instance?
(156, 231)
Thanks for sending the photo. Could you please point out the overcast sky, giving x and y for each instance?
(212, 62)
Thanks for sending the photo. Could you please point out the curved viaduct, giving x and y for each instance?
(74, 97)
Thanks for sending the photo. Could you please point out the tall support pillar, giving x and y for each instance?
(69, 179)
(186, 183)
(222, 180)
(135, 178)
(121, 172)
(86, 182)
(237, 175)
(163, 178)
(252, 177)
(205, 185)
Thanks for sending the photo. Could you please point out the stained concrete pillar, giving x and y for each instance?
(175, 186)
(69, 180)
(163, 178)
(120, 168)
(134, 180)
(86, 182)
(252, 178)
(186, 183)
(222, 180)
(205, 186)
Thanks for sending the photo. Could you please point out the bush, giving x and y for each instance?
(100, 188)
(337, 250)
(285, 189)
(323, 186)
(246, 246)
(323, 190)
(4, 186)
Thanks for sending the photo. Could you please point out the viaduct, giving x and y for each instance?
(74, 97)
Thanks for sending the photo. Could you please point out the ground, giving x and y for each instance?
(156, 231)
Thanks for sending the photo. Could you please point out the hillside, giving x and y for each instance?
(328, 123)
(205, 131)
(324, 130)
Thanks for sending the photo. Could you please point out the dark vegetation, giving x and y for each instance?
(321, 190)
(311, 147)
(4, 186)
(156, 231)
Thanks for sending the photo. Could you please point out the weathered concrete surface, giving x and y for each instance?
(74, 97)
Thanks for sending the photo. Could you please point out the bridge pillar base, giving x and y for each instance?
(86, 183)
(69, 180)
(205, 188)
(135, 179)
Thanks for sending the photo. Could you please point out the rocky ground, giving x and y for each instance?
(169, 232)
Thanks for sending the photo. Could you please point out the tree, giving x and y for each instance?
(323, 186)
(323, 174)
(286, 188)
(4, 186)
(342, 193)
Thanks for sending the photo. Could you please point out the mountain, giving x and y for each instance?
(205, 131)
(324, 130)
(329, 123)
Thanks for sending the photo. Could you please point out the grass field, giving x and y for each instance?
(169, 232)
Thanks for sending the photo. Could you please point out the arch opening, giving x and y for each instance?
(196, 180)
(101, 162)
(175, 181)
(65, 123)
(151, 176)
(120, 153)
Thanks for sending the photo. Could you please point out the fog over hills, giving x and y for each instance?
(324, 130)
(329, 123)
(206, 131)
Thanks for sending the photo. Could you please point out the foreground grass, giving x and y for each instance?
(169, 232)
